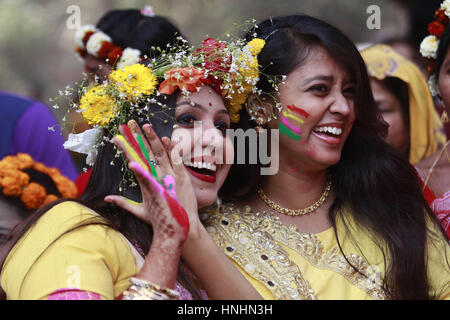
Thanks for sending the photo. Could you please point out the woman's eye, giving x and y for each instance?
(222, 127)
(319, 88)
(350, 92)
(186, 119)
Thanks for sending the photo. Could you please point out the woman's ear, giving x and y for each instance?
(260, 108)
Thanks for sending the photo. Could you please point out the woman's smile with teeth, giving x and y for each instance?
(201, 165)
(330, 130)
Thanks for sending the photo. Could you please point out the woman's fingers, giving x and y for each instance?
(158, 149)
(132, 132)
(174, 152)
(121, 145)
(129, 205)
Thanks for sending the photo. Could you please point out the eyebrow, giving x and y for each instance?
(196, 105)
(323, 78)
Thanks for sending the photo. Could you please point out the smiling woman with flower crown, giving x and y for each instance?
(124, 240)
(344, 217)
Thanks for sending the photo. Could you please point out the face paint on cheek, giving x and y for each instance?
(290, 126)
(293, 117)
(288, 132)
(298, 110)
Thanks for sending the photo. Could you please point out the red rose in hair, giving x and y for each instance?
(441, 16)
(105, 49)
(214, 54)
(182, 78)
(87, 36)
(436, 28)
(114, 55)
(216, 61)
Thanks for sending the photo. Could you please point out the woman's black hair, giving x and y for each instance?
(130, 28)
(378, 186)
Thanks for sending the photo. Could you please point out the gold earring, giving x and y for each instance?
(259, 123)
(444, 117)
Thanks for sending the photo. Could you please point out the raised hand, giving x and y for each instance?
(163, 158)
(160, 206)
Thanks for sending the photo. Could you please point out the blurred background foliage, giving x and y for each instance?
(36, 46)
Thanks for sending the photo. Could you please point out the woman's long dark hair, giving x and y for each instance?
(377, 185)
(107, 179)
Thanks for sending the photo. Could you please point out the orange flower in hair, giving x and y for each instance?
(33, 196)
(66, 187)
(15, 182)
(185, 79)
(11, 188)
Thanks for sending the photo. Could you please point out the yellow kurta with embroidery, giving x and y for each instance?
(282, 263)
(93, 258)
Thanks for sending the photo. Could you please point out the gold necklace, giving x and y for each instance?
(296, 212)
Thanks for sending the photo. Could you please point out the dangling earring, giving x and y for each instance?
(259, 123)
(444, 117)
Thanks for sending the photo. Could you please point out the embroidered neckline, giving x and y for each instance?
(239, 230)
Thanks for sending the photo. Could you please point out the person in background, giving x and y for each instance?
(28, 126)
(410, 52)
(405, 102)
(121, 37)
(435, 170)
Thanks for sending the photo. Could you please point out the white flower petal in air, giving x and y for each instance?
(84, 143)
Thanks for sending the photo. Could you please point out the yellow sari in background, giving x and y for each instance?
(426, 132)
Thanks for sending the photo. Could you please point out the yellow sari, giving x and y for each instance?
(282, 263)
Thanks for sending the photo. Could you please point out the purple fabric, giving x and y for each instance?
(31, 135)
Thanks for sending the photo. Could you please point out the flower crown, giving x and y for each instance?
(231, 68)
(14, 182)
(91, 40)
(430, 44)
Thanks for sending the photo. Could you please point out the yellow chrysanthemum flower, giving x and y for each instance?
(249, 74)
(135, 80)
(98, 108)
(255, 46)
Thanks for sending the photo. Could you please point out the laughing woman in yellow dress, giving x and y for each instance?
(344, 216)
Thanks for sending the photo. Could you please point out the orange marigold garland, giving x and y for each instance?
(16, 183)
